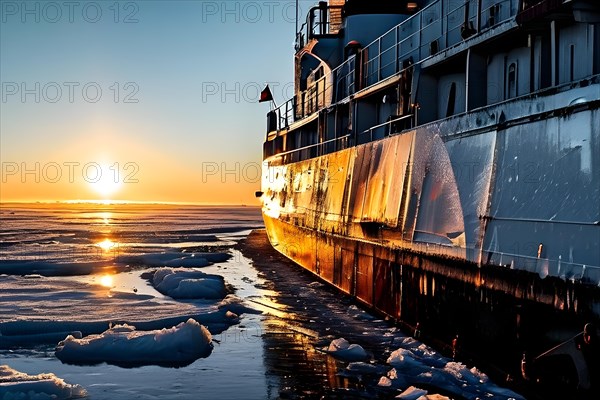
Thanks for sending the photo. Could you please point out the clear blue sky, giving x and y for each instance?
(174, 58)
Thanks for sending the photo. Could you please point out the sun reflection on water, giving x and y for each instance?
(107, 281)
(106, 217)
(106, 244)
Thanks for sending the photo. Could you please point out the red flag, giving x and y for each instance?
(266, 95)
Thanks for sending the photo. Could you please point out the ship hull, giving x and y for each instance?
(484, 224)
(498, 313)
(446, 172)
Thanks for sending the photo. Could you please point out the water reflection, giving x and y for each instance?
(293, 338)
(106, 245)
(107, 281)
(106, 217)
(296, 366)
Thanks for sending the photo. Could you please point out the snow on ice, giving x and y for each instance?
(342, 349)
(18, 385)
(125, 346)
(415, 363)
(188, 284)
(414, 393)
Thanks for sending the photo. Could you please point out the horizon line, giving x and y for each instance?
(126, 202)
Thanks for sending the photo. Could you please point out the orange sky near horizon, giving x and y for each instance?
(107, 164)
(51, 181)
(128, 172)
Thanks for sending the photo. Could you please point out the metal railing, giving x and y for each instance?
(315, 97)
(433, 29)
(315, 150)
(344, 77)
(286, 114)
(376, 132)
(386, 129)
(437, 27)
(319, 22)
(421, 35)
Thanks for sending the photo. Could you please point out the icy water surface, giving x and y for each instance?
(84, 268)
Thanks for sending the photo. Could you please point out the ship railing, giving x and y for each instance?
(344, 78)
(322, 20)
(300, 38)
(388, 128)
(385, 129)
(286, 113)
(533, 9)
(334, 86)
(281, 117)
(315, 150)
(384, 56)
(436, 27)
(316, 97)
(414, 39)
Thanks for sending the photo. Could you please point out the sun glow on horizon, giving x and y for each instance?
(105, 180)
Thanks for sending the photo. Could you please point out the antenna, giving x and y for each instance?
(296, 33)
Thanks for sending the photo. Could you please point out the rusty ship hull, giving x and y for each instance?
(451, 191)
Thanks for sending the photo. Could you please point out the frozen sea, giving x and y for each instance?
(262, 328)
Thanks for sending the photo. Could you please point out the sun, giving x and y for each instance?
(104, 179)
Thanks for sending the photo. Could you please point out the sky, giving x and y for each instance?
(143, 101)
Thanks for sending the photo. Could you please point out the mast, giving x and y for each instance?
(296, 32)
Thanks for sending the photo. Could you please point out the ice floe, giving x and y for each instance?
(189, 284)
(24, 299)
(93, 314)
(172, 259)
(363, 368)
(124, 345)
(415, 363)
(414, 393)
(342, 349)
(18, 385)
(44, 268)
(176, 259)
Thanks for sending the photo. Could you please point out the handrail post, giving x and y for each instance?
(397, 50)
(379, 59)
(478, 16)
(420, 34)
(323, 88)
(445, 19)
